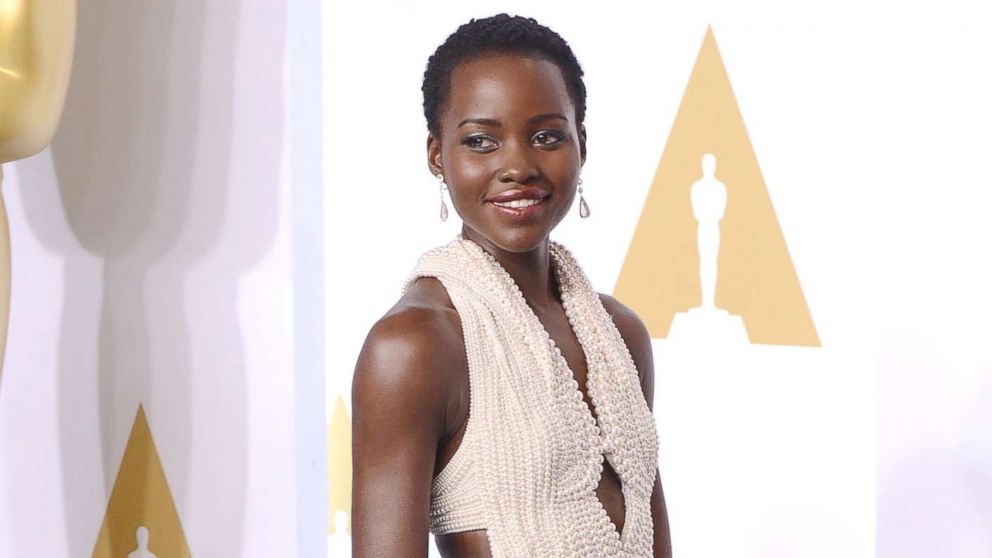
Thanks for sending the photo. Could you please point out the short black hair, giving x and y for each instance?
(498, 34)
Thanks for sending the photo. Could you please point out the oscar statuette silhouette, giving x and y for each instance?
(707, 324)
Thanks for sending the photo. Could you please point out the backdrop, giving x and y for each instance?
(847, 142)
(179, 249)
(161, 350)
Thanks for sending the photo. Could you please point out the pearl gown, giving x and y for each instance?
(527, 467)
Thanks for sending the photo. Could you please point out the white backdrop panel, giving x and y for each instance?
(765, 450)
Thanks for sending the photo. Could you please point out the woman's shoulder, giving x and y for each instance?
(415, 346)
(624, 317)
(635, 335)
(424, 310)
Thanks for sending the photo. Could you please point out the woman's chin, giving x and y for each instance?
(513, 239)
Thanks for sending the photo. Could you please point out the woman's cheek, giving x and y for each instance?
(471, 179)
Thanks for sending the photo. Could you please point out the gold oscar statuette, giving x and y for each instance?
(36, 44)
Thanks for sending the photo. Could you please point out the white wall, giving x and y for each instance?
(933, 118)
(153, 260)
(766, 450)
(157, 253)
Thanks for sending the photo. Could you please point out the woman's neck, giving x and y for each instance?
(530, 270)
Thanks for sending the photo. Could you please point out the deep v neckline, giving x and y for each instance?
(566, 292)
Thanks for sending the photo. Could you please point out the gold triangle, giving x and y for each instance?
(339, 463)
(660, 274)
(141, 497)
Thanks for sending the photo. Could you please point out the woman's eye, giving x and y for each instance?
(479, 142)
(548, 138)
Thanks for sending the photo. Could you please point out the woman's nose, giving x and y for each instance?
(518, 164)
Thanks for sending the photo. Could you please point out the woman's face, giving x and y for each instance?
(509, 128)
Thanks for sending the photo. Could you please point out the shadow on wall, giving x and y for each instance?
(935, 488)
(164, 191)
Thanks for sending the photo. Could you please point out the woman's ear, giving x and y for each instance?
(434, 155)
(582, 142)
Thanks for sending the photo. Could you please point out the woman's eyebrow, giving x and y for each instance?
(496, 123)
(482, 121)
(545, 116)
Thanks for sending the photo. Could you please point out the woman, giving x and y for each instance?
(502, 404)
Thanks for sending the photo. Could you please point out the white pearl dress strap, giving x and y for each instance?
(527, 467)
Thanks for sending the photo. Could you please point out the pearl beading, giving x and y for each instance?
(530, 460)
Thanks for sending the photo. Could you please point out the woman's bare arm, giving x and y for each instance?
(635, 334)
(398, 400)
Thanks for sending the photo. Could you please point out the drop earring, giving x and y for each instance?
(443, 187)
(583, 206)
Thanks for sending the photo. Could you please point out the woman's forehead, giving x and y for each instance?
(507, 86)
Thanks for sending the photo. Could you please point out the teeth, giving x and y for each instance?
(518, 203)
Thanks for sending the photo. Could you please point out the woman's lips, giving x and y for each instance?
(521, 213)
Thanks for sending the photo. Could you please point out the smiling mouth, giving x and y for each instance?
(518, 204)
(524, 208)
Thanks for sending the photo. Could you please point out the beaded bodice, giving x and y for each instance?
(529, 462)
